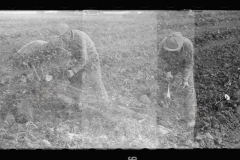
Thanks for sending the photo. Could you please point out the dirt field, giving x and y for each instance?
(127, 45)
(217, 74)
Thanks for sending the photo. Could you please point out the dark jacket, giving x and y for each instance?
(182, 62)
(82, 49)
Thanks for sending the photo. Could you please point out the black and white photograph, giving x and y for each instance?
(128, 79)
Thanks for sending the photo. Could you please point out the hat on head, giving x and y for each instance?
(59, 29)
(173, 42)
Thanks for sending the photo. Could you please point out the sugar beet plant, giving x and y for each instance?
(32, 77)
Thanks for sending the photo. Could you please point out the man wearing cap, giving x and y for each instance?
(177, 51)
(84, 56)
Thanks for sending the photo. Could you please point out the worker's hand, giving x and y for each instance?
(168, 76)
(69, 73)
(184, 84)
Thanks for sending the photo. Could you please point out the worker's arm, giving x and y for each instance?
(188, 60)
(83, 60)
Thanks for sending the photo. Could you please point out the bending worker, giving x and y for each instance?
(178, 53)
(84, 56)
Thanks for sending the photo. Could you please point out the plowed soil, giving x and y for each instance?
(217, 71)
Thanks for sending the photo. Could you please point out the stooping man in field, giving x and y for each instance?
(84, 56)
(177, 51)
